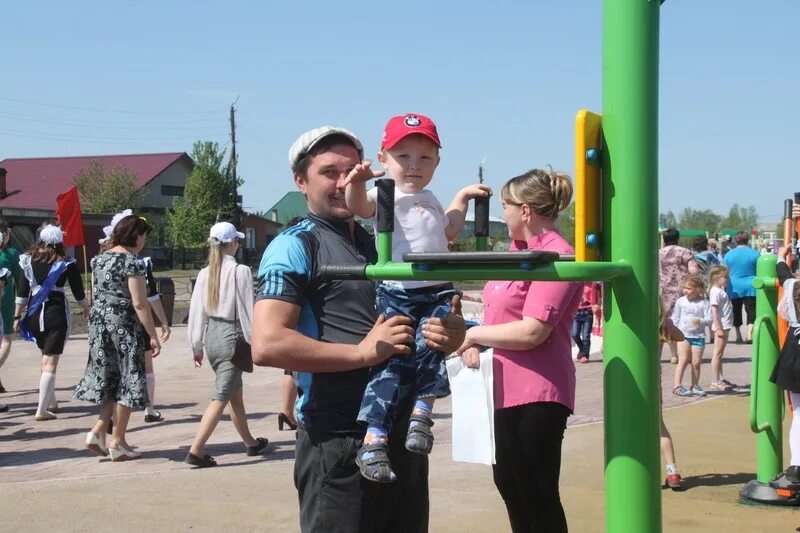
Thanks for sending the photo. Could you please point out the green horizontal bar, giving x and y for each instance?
(558, 271)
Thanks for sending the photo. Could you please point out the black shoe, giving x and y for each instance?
(200, 462)
(261, 443)
(788, 479)
(3, 408)
(420, 437)
(283, 418)
(373, 462)
(155, 417)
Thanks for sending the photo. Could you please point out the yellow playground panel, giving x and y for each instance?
(588, 218)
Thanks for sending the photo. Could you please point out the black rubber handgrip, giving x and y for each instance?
(787, 207)
(482, 216)
(385, 207)
(343, 272)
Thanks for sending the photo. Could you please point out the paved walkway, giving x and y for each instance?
(49, 481)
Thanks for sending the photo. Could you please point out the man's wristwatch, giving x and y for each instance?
(18, 317)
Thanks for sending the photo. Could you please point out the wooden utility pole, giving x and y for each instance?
(237, 211)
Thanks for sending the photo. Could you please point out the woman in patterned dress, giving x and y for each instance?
(120, 316)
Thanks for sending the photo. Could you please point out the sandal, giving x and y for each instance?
(261, 443)
(154, 417)
(680, 390)
(200, 462)
(373, 462)
(420, 437)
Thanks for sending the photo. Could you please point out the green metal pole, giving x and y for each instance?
(557, 271)
(630, 194)
(481, 243)
(766, 398)
(384, 247)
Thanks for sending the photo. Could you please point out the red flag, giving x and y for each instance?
(68, 214)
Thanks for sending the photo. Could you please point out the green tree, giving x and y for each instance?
(108, 191)
(704, 219)
(209, 196)
(565, 223)
(667, 220)
(743, 218)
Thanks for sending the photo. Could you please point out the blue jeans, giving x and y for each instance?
(582, 331)
(422, 373)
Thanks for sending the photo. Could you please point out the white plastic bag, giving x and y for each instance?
(473, 410)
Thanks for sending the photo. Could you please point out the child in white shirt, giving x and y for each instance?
(721, 324)
(410, 155)
(691, 315)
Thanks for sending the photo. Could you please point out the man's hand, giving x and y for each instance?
(385, 339)
(722, 334)
(446, 334)
(795, 211)
(362, 173)
(198, 360)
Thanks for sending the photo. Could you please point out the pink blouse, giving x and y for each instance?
(545, 373)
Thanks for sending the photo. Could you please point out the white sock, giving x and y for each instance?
(672, 469)
(51, 397)
(794, 431)
(45, 382)
(151, 392)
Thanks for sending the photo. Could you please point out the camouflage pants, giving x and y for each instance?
(421, 374)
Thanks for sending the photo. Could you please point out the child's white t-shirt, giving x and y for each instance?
(419, 226)
(720, 298)
(684, 313)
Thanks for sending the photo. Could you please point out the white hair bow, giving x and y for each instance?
(108, 230)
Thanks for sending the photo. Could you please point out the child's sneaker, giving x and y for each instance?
(680, 390)
(720, 386)
(697, 390)
(420, 436)
(373, 462)
(674, 481)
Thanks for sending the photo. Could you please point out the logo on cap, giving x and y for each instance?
(412, 121)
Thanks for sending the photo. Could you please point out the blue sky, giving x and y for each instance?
(502, 79)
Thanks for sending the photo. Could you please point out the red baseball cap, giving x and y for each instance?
(400, 127)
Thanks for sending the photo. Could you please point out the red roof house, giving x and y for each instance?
(34, 183)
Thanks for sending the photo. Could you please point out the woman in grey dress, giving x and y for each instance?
(222, 310)
(120, 315)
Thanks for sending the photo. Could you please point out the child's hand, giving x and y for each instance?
(476, 190)
(362, 173)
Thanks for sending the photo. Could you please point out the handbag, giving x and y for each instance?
(242, 352)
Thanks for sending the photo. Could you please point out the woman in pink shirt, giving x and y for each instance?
(528, 325)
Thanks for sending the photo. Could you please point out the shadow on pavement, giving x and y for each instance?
(717, 480)
(36, 456)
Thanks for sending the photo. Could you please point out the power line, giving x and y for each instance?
(99, 110)
(181, 124)
(101, 140)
